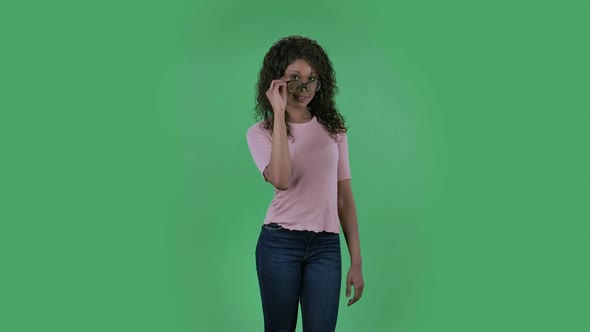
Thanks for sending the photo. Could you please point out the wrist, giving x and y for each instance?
(279, 115)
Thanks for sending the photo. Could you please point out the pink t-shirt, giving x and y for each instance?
(317, 162)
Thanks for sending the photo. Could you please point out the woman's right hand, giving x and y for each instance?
(277, 95)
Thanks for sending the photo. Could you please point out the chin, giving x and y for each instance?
(298, 103)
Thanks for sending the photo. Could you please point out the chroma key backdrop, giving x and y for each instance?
(129, 200)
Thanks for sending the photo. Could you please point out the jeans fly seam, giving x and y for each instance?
(307, 247)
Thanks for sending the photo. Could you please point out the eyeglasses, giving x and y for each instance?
(297, 86)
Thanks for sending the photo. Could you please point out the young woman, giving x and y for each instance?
(300, 147)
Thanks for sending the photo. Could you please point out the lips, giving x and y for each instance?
(301, 97)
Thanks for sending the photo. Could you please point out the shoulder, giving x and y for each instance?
(257, 130)
(341, 137)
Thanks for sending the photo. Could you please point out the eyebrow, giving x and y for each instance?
(296, 71)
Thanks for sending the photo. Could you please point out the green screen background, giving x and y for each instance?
(129, 200)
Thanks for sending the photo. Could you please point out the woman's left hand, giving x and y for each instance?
(355, 278)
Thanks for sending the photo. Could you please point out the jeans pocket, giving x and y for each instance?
(272, 227)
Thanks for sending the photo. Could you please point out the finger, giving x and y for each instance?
(277, 85)
(353, 300)
(358, 292)
(273, 82)
(271, 86)
(348, 283)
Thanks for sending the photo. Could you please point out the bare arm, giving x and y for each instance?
(349, 221)
(278, 171)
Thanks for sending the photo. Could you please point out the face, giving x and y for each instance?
(299, 70)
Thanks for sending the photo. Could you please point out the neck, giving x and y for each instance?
(298, 115)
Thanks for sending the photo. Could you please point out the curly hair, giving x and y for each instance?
(322, 106)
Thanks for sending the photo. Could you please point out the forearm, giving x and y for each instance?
(279, 168)
(349, 222)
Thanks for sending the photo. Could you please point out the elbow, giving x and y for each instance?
(282, 187)
(281, 184)
(280, 181)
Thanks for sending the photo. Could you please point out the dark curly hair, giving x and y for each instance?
(322, 106)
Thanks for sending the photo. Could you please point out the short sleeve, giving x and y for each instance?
(343, 162)
(260, 144)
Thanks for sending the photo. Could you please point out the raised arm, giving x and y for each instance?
(271, 153)
(278, 170)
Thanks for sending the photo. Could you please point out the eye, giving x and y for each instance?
(295, 77)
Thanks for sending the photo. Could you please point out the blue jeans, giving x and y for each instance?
(296, 266)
